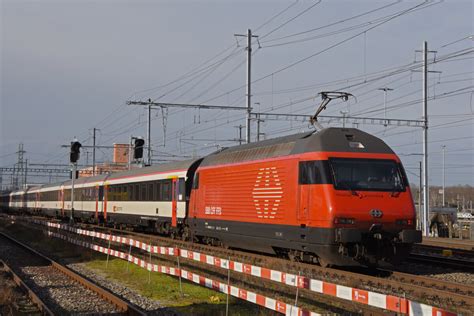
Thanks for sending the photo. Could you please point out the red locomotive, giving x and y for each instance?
(337, 196)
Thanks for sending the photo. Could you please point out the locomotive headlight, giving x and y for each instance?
(344, 220)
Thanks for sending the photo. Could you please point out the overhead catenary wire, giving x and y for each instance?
(334, 23)
(201, 67)
(291, 19)
(275, 16)
(330, 33)
(405, 69)
(401, 13)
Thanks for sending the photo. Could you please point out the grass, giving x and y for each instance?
(196, 300)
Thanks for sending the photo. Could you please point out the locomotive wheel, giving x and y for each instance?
(186, 234)
(323, 263)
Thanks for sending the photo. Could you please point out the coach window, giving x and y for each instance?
(155, 191)
(131, 192)
(166, 190)
(136, 192)
(142, 196)
(159, 190)
(150, 191)
(120, 193)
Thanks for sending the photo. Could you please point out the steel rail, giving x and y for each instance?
(456, 263)
(122, 305)
(31, 294)
(447, 243)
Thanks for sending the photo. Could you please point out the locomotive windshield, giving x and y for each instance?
(367, 174)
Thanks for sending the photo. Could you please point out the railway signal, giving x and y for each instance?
(75, 151)
(74, 157)
(138, 148)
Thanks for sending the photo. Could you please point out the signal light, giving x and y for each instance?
(75, 151)
(138, 148)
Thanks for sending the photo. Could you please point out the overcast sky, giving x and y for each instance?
(69, 66)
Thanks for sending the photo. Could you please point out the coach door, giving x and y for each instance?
(61, 201)
(174, 202)
(104, 203)
(100, 200)
(37, 201)
(96, 203)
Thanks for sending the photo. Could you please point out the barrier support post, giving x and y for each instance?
(108, 252)
(179, 269)
(128, 258)
(150, 247)
(297, 292)
(92, 246)
(228, 289)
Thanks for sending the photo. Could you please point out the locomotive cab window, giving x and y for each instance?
(367, 174)
(313, 172)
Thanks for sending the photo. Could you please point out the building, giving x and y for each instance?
(119, 162)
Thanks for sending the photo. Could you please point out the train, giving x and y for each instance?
(336, 196)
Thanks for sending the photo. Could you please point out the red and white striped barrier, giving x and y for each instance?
(243, 294)
(374, 299)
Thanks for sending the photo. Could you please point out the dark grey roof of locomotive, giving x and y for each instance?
(328, 140)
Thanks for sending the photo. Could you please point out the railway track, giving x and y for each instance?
(451, 296)
(55, 289)
(447, 243)
(449, 262)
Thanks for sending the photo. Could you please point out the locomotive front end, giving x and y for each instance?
(372, 209)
